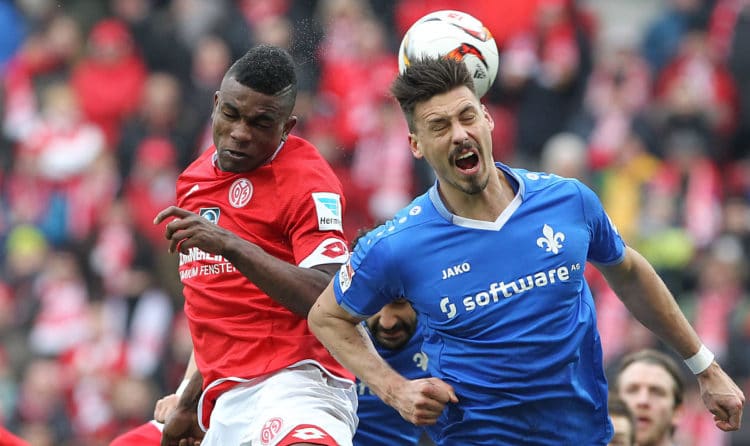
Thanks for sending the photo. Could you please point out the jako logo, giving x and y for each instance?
(456, 270)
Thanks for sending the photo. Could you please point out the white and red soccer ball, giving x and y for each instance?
(457, 35)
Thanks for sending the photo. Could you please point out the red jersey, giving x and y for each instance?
(292, 208)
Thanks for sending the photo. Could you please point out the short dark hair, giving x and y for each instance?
(617, 407)
(655, 357)
(425, 78)
(267, 69)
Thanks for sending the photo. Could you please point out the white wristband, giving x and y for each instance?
(700, 361)
(181, 387)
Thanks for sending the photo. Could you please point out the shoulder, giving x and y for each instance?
(200, 169)
(534, 182)
(300, 154)
(300, 164)
(416, 214)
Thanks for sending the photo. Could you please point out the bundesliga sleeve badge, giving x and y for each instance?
(328, 210)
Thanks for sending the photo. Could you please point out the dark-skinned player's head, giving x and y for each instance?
(252, 114)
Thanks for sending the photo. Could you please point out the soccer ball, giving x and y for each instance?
(457, 35)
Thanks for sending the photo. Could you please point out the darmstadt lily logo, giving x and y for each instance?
(552, 240)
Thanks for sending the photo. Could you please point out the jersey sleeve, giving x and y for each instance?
(606, 246)
(314, 222)
(367, 282)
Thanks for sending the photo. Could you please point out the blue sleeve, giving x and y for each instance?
(606, 246)
(368, 282)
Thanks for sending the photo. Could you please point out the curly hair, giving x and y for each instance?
(268, 70)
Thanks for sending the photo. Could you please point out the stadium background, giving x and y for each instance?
(103, 103)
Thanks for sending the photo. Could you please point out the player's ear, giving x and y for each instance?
(488, 117)
(416, 151)
(288, 126)
(216, 103)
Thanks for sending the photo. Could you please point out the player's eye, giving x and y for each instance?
(468, 118)
(437, 127)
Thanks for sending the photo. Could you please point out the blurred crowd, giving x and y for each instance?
(102, 104)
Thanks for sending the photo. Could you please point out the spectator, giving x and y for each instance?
(111, 59)
(652, 386)
(623, 423)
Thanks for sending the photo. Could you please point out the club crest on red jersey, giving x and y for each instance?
(240, 192)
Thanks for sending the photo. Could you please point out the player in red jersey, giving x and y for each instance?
(258, 230)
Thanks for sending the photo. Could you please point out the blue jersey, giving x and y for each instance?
(379, 423)
(509, 320)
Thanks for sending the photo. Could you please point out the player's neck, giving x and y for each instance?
(484, 206)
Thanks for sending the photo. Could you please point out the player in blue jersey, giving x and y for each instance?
(398, 339)
(492, 260)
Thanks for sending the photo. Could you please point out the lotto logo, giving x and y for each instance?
(307, 433)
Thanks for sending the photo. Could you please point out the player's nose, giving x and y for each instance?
(459, 133)
(388, 320)
(241, 132)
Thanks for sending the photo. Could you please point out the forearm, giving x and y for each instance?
(291, 286)
(350, 344)
(192, 393)
(650, 301)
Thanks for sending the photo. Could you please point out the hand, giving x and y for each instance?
(722, 397)
(164, 407)
(421, 401)
(181, 428)
(190, 230)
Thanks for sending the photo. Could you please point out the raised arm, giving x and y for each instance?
(646, 296)
(419, 401)
(293, 287)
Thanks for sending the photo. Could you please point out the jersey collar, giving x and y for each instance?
(480, 224)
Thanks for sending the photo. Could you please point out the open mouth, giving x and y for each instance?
(467, 162)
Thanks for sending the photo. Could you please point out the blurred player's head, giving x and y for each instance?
(252, 114)
(448, 125)
(623, 423)
(394, 325)
(651, 384)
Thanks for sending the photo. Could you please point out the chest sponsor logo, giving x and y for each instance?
(240, 192)
(210, 214)
(328, 211)
(551, 240)
(497, 291)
